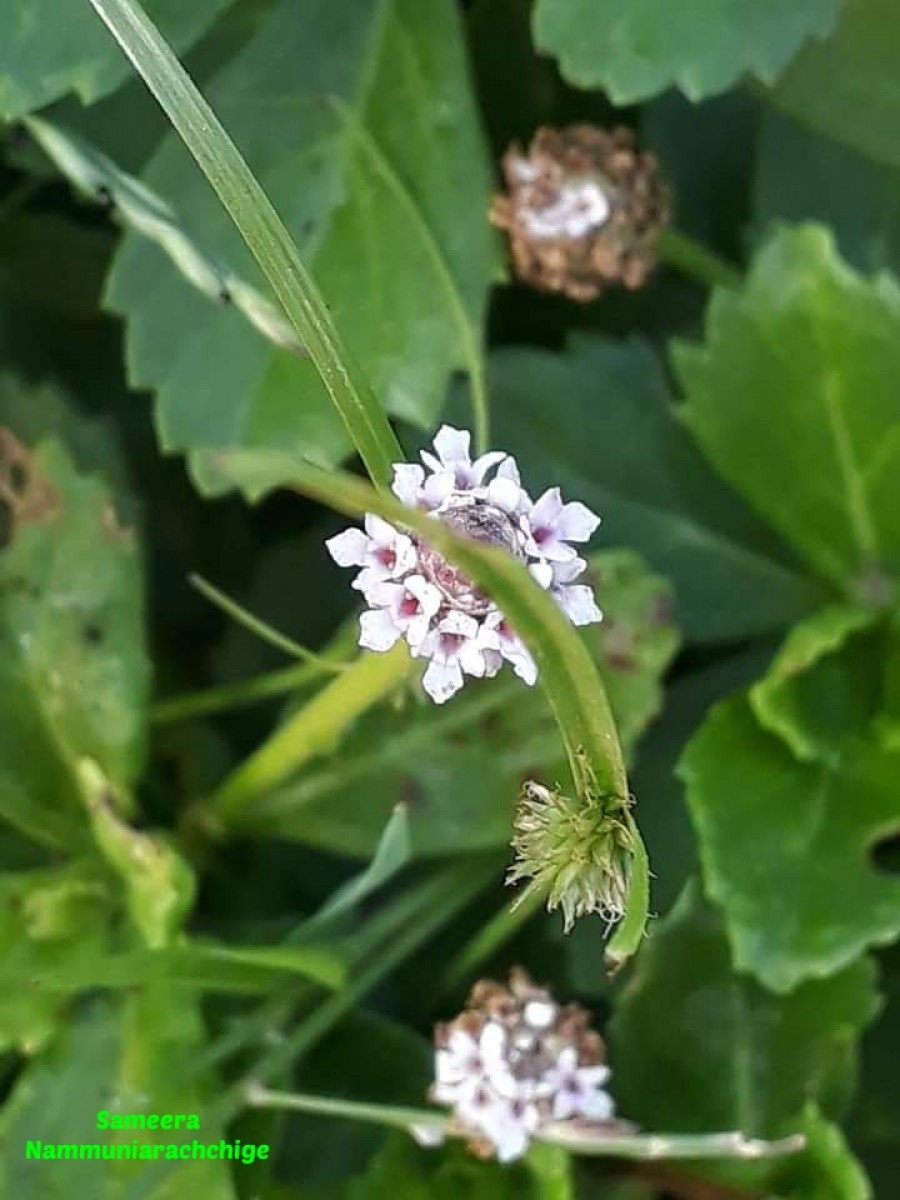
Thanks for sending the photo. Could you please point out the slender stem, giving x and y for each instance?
(262, 630)
(688, 255)
(259, 1096)
(313, 729)
(235, 695)
(261, 228)
(575, 1137)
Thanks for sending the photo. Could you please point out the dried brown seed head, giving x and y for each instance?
(583, 210)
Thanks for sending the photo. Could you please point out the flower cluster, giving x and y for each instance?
(413, 592)
(578, 855)
(515, 1061)
(583, 209)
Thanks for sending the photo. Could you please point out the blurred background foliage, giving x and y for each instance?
(742, 444)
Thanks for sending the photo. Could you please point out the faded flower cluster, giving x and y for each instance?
(515, 1061)
(413, 592)
(583, 208)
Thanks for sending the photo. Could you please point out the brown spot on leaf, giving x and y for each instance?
(29, 497)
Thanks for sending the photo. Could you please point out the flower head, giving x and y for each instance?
(579, 855)
(413, 592)
(583, 209)
(514, 1061)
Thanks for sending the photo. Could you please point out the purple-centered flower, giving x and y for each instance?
(413, 592)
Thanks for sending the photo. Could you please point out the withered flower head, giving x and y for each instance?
(583, 210)
(515, 1060)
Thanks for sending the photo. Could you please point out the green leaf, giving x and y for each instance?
(135, 1056)
(824, 685)
(357, 119)
(50, 921)
(634, 48)
(73, 671)
(49, 47)
(696, 1046)
(786, 845)
(597, 422)
(807, 353)
(847, 87)
(159, 885)
(826, 1171)
(801, 176)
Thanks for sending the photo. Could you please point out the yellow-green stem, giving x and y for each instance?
(312, 730)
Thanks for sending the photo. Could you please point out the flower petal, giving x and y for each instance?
(578, 603)
(437, 488)
(596, 1104)
(408, 480)
(542, 573)
(576, 522)
(452, 445)
(505, 494)
(546, 509)
(442, 680)
(348, 549)
(378, 630)
(380, 531)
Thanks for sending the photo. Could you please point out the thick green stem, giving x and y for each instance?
(314, 729)
(261, 228)
(687, 255)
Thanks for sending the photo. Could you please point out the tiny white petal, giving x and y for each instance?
(378, 630)
(546, 509)
(426, 593)
(442, 680)
(576, 522)
(381, 533)
(596, 1105)
(408, 479)
(542, 572)
(594, 1076)
(540, 1014)
(427, 1135)
(460, 624)
(568, 571)
(437, 488)
(452, 445)
(509, 469)
(505, 494)
(348, 549)
(578, 603)
(492, 1043)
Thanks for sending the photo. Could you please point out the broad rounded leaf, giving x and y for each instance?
(49, 47)
(786, 845)
(793, 399)
(356, 117)
(636, 48)
(597, 421)
(848, 87)
(824, 685)
(696, 1046)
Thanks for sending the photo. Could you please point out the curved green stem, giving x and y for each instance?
(688, 255)
(260, 227)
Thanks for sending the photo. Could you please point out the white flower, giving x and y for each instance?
(552, 525)
(399, 610)
(578, 1091)
(414, 593)
(514, 1062)
(576, 600)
